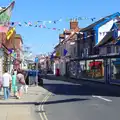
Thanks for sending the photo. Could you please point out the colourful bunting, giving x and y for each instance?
(65, 52)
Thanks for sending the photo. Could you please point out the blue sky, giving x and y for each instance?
(43, 40)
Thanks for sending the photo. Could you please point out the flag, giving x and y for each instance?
(57, 53)
(52, 55)
(5, 14)
(65, 52)
(10, 33)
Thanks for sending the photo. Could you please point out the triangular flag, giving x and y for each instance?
(65, 52)
(54, 28)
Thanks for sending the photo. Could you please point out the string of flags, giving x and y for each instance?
(57, 54)
(12, 53)
(14, 24)
(59, 20)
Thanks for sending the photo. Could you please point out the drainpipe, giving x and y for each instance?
(78, 45)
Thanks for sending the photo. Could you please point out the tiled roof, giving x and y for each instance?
(72, 34)
(67, 31)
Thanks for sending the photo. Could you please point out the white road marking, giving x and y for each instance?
(100, 97)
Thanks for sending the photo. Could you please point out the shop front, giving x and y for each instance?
(1, 64)
(115, 70)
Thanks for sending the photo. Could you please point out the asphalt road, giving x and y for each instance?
(83, 101)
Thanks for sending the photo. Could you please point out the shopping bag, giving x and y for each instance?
(26, 88)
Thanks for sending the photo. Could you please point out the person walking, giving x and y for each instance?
(6, 84)
(20, 83)
(14, 87)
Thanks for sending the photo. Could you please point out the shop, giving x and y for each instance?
(1, 63)
(96, 69)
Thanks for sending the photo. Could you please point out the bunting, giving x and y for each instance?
(65, 52)
(13, 24)
(54, 21)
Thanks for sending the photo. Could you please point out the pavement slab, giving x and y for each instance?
(13, 111)
(33, 95)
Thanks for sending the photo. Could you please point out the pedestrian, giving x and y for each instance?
(14, 87)
(7, 79)
(15, 71)
(20, 83)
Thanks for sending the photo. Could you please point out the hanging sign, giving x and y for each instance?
(10, 33)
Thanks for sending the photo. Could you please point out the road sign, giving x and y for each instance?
(36, 59)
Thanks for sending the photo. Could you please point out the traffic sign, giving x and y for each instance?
(36, 59)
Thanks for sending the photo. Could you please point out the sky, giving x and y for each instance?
(42, 40)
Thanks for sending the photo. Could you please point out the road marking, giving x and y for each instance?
(100, 97)
(41, 107)
(41, 116)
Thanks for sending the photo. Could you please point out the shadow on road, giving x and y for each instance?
(73, 89)
(66, 100)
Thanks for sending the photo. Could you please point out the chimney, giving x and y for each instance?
(73, 24)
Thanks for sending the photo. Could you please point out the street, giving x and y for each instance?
(84, 101)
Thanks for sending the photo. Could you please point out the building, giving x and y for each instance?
(98, 34)
(18, 42)
(98, 50)
(66, 41)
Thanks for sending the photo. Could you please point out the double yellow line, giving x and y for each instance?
(41, 107)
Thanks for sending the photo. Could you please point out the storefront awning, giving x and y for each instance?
(95, 63)
(117, 62)
(118, 42)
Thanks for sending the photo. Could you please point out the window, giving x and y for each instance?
(108, 49)
(74, 50)
(84, 35)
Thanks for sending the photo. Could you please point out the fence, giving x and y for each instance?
(104, 69)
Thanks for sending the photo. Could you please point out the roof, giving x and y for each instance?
(61, 35)
(97, 22)
(67, 31)
(70, 36)
(19, 37)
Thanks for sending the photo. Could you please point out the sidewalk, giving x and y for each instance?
(23, 109)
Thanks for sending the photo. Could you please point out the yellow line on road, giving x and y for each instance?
(43, 115)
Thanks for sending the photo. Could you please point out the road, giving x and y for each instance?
(83, 101)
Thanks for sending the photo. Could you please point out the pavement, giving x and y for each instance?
(83, 100)
(24, 108)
